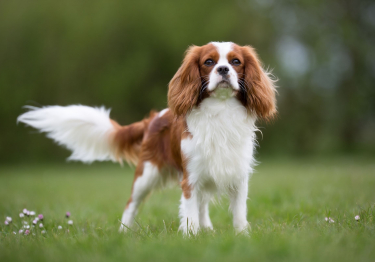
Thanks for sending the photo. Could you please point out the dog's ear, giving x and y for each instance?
(184, 87)
(260, 94)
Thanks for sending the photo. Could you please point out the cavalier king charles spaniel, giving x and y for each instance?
(205, 139)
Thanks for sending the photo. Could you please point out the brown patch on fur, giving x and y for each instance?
(130, 199)
(161, 144)
(185, 88)
(208, 52)
(127, 139)
(185, 185)
(158, 140)
(260, 92)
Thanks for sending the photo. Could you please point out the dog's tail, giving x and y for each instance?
(88, 132)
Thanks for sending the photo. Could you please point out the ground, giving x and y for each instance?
(289, 200)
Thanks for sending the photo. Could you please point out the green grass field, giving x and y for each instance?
(289, 200)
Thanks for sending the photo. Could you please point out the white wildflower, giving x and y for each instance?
(326, 219)
(43, 232)
(20, 231)
(21, 215)
(35, 221)
(14, 233)
(59, 227)
(32, 213)
(6, 222)
(26, 226)
(70, 222)
(25, 222)
(357, 217)
(40, 225)
(25, 211)
(331, 220)
(9, 219)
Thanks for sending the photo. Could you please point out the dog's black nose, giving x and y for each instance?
(222, 70)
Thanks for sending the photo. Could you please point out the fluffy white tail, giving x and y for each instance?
(86, 131)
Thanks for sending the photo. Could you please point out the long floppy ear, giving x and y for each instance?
(185, 86)
(260, 94)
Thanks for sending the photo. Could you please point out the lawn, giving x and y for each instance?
(289, 200)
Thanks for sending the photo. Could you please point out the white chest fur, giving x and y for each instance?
(220, 152)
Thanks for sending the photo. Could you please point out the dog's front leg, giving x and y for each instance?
(238, 197)
(189, 213)
(204, 217)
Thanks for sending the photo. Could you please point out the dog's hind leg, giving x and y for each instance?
(147, 177)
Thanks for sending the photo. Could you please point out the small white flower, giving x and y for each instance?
(59, 227)
(40, 225)
(6, 222)
(43, 232)
(331, 220)
(26, 226)
(25, 222)
(326, 219)
(20, 231)
(70, 222)
(21, 215)
(14, 233)
(9, 219)
(35, 221)
(32, 213)
(25, 211)
(357, 217)
(28, 213)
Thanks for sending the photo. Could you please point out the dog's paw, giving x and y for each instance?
(122, 229)
(244, 229)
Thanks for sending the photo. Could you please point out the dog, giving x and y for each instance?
(205, 139)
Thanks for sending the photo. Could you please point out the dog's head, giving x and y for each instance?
(222, 70)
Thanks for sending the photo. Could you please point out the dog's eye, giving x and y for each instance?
(209, 62)
(235, 62)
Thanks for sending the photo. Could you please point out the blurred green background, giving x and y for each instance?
(122, 54)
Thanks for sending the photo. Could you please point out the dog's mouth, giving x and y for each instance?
(223, 90)
(224, 83)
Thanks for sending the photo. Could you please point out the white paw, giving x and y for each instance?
(188, 230)
(244, 228)
(123, 229)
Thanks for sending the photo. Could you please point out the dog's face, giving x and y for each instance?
(222, 70)
(219, 67)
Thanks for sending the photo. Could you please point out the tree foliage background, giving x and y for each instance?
(122, 54)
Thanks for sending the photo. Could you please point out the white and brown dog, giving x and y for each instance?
(206, 136)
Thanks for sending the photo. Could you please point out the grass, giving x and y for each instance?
(289, 199)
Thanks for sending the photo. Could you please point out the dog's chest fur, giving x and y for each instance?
(220, 152)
